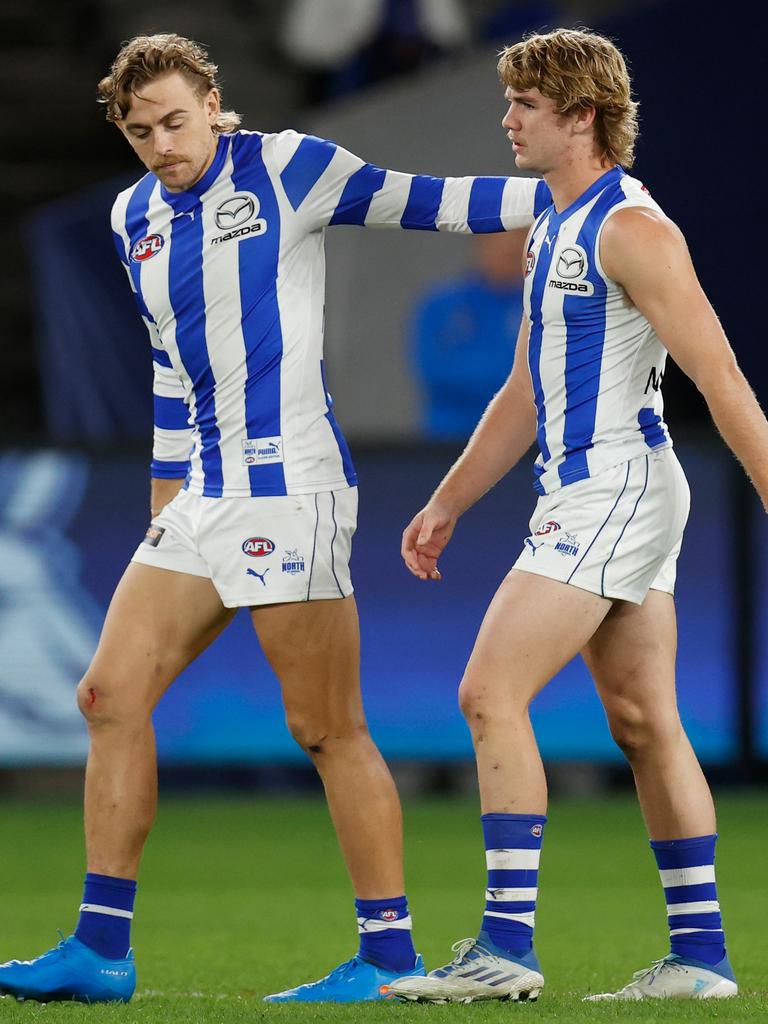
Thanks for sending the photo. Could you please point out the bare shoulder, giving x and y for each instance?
(640, 234)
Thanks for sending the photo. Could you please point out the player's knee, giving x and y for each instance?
(476, 703)
(318, 735)
(102, 703)
(637, 730)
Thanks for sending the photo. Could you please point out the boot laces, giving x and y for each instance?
(657, 967)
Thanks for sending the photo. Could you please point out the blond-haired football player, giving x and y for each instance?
(254, 494)
(609, 290)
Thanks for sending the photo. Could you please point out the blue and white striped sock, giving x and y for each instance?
(385, 933)
(687, 870)
(106, 914)
(512, 851)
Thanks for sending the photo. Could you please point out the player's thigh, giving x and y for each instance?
(157, 623)
(314, 649)
(533, 627)
(632, 659)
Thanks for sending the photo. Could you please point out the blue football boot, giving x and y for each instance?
(354, 981)
(70, 971)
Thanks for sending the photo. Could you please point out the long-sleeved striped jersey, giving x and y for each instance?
(596, 363)
(229, 277)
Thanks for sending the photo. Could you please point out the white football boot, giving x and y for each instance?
(676, 977)
(480, 970)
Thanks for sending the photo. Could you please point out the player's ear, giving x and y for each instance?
(584, 119)
(213, 105)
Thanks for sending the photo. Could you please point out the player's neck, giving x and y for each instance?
(572, 180)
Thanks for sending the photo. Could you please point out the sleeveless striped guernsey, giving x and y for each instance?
(596, 363)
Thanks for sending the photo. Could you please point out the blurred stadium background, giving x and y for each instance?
(420, 94)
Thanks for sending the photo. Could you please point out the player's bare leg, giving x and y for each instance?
(632, 660)
(314, 649)
(533, 627)
(157, 623)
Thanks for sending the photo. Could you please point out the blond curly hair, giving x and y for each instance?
(577, 69)
(144, 58)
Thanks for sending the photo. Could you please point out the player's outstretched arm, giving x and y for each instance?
(503, 435)
(646, 253)
(327, 185)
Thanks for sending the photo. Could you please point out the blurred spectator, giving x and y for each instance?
(345, 45)
(464, 337)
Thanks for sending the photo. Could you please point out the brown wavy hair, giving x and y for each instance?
(579, 69)
(144, 58)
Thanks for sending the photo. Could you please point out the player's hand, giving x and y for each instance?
(424, 539)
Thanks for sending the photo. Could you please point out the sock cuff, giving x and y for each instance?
(534, 819)
(125, 885)
(367, 907)
(513, 831)
(683, 844)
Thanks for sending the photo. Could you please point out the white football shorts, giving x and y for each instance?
(617, 534)
(255, 551)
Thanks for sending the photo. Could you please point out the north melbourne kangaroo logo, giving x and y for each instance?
(259, 575)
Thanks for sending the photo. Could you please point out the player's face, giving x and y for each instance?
(170, 127)
(540, 136)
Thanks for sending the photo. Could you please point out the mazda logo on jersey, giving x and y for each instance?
(571, 263)
(570, 271)
(236, 211)
(146, 248)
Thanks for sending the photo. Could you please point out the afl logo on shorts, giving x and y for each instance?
(258, 547)
(549, 527)
(146, 248)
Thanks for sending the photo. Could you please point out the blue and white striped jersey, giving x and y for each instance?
(230, 280)
(596, 364)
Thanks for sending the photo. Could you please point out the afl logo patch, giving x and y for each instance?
(572, 263)
(258, 547)
(236, 211)
(146, 248)
(549, 527)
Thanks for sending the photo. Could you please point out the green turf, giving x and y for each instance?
(239, 898)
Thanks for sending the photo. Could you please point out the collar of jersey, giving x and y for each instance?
(183, 201)
(609, 178)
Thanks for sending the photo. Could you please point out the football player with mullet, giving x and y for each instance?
(609, 290)
(253, 496)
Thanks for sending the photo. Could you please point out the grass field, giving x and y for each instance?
(243, 897)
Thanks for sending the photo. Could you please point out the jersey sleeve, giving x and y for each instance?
(172, 441)
(327, 185)
(173, 433)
